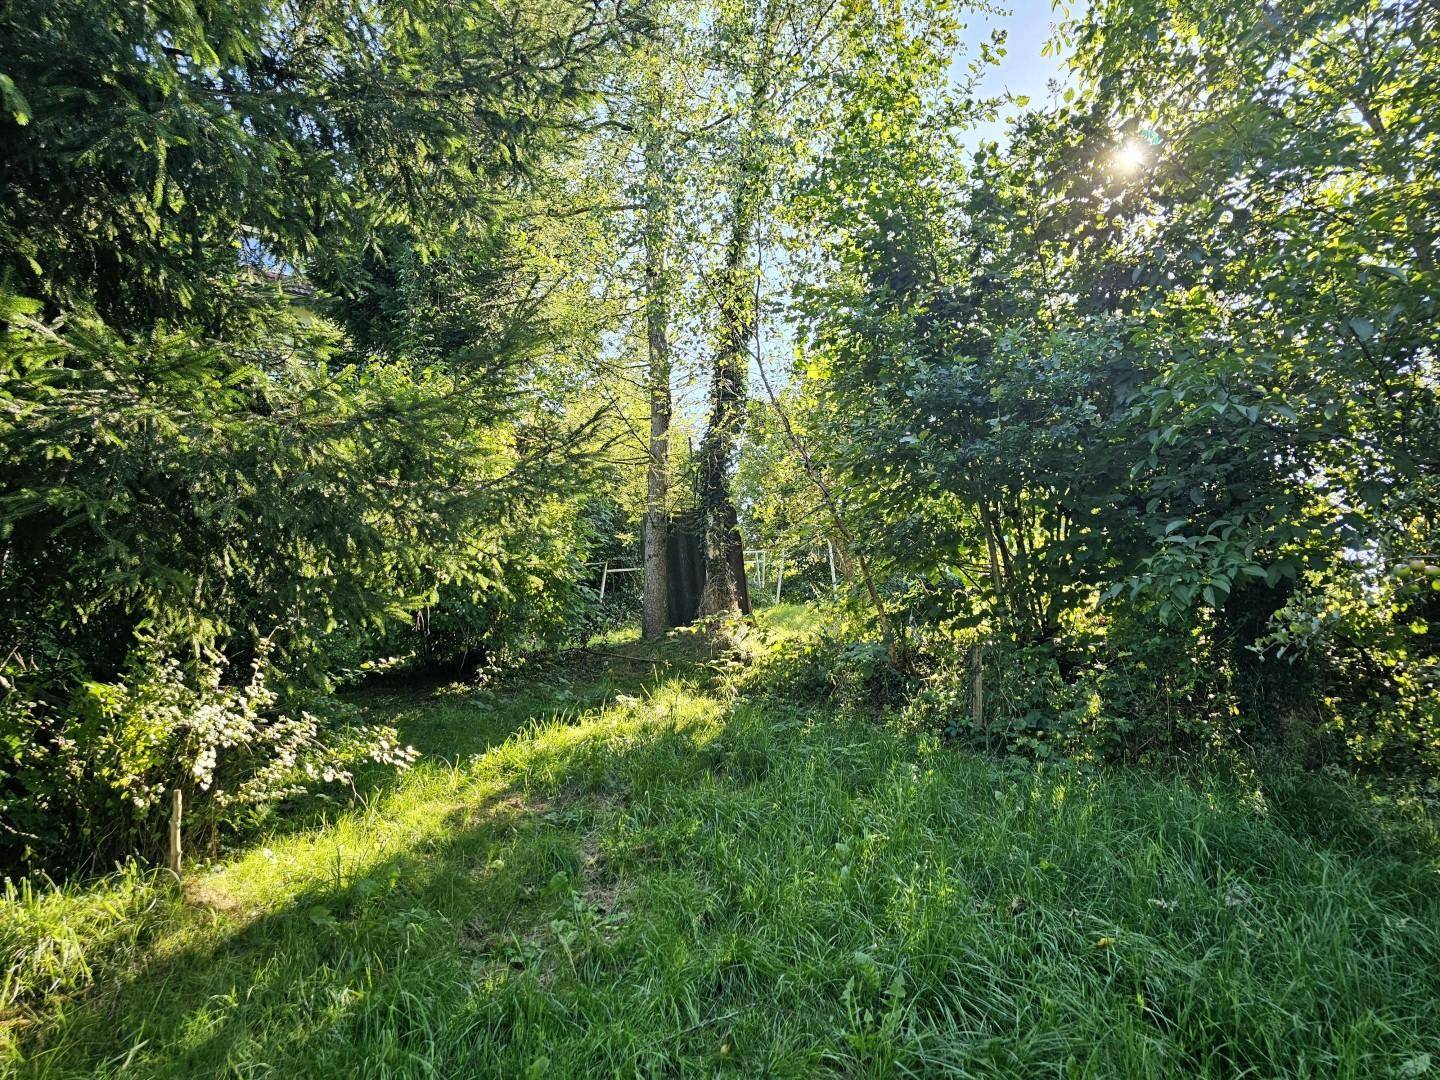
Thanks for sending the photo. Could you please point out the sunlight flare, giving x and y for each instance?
(1131, 156)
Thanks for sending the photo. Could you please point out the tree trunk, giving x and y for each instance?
(655, 615)
(722, 591)
(725, 589)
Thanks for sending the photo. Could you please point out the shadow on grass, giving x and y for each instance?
(389, 952)
(687, 885)
(451, 721)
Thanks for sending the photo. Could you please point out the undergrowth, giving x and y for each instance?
(625, 867)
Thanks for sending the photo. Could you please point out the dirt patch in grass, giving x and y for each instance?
(600, 889)
(508, 808)
(203, 892)
(518, 804)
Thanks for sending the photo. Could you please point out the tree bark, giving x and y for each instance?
(655, 616)
(723, 548)
(727, 413)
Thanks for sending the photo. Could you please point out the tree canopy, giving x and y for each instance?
(343, 335)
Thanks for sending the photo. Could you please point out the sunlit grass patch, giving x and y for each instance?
(650, 876)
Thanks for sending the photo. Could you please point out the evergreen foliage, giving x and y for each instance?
(273, 374)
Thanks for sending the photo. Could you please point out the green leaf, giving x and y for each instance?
(1363, 329)
(320, 915)
(14, 101)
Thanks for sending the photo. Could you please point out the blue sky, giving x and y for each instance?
(1029, 24)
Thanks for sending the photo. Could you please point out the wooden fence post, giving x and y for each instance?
(176, 808)
(977, 688)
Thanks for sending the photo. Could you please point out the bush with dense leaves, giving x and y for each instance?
(269, 385)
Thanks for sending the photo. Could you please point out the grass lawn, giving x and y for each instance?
(620, 869)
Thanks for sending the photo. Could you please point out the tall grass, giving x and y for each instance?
(647, 878)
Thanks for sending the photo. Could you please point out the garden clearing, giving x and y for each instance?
(619, 866)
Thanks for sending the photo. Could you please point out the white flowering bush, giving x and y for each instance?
(106, 763)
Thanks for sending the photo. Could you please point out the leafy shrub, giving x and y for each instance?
(1374, 641)
(533, 596)
(1125, 689)
(828, 665)
(95, 769)
(1026, 701)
